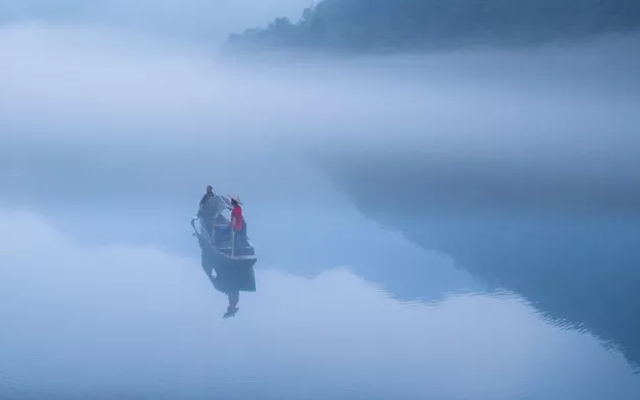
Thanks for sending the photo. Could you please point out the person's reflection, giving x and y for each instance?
(228, 279)
(221, 283)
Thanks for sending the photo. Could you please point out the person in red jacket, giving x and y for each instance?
(237, 226)
(237, 221)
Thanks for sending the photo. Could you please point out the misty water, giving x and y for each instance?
(416, 238)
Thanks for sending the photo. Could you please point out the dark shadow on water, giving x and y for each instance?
(579, 268)
(227, 279)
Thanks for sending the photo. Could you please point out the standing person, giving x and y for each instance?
(236, 226)
(237, 221)
(207, 195)
(207, 211)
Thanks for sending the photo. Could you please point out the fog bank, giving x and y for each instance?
(198, 21)
(557, 110)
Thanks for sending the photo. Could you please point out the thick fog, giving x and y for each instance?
(570, 109)
(202, 21)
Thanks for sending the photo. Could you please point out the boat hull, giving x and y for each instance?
(221, 257)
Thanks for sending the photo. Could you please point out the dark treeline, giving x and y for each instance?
(415, 25)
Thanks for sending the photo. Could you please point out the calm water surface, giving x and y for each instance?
(104, 293)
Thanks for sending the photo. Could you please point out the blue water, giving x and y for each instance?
(103, 292)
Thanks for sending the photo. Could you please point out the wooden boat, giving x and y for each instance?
(222, 250)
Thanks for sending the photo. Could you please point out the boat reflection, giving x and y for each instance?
(229, 279)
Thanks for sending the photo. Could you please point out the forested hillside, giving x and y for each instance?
(396, 25)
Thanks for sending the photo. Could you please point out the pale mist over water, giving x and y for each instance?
(461, 225)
